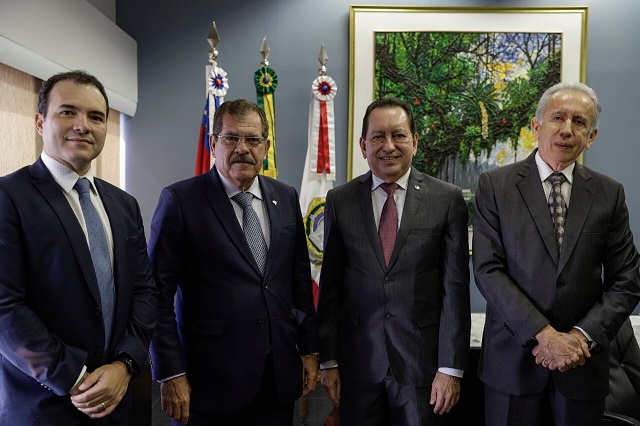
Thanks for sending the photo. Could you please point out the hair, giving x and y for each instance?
(579, 87)
(239, 108)
(388, 102)
(78, 77)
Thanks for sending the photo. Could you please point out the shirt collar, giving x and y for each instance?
(232, 190)
(545, 171)
(402, 182)
(64, 176)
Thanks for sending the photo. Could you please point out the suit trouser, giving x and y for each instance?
(385, 403)
(545, 408)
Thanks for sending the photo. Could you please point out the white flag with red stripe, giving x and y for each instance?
(319, 170)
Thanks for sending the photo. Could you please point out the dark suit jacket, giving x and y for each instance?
(412, 316)
(624, 374)
(593, 284)
(223, 305)
(50, 302)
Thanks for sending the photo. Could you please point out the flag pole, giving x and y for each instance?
(216, 86)
(320, 165)
(266, 81)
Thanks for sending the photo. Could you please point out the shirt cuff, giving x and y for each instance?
(591, 342)
(451, 372)
(166, 379)
(328, 364)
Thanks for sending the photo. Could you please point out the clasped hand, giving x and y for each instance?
(99, 393)
(560, 351)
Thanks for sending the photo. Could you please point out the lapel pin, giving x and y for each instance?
(275, 203)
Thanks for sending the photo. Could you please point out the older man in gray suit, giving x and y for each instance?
(394, 290)
(554, 257)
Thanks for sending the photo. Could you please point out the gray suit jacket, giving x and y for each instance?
(412, 316)
(593, 283)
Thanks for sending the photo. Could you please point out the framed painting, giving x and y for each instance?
(472, 76)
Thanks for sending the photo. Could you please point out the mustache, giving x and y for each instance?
(246, 158)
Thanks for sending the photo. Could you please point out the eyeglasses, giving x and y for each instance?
(233, 140)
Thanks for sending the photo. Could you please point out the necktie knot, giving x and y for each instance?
(244, 199)
(82, 185)
(557, 178)
(389, 188)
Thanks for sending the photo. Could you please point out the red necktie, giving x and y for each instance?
(388, 229)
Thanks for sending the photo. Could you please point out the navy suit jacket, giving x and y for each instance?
(411, 316)
(218, 329)
(50, 302)
(594, 283)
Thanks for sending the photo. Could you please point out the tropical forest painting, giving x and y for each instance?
(473, 95)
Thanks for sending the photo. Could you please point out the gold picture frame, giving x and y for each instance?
(366, 21)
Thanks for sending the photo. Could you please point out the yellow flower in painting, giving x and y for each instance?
(484, 120)
(500, 156)
(527, 140)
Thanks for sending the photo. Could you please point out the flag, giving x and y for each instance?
(266, 81)
(319, 171)
(217, 86)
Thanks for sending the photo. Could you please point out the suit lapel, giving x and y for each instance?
(366, 210)
(223, 210)
(274, 211)
(531, 190)
(582, 194)
(52, 193)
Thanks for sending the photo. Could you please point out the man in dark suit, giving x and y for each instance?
(240, 344)
(558, 285)
(394, 290)
(72, 334)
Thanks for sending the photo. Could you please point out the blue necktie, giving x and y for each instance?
(252, 229)
(99, 255)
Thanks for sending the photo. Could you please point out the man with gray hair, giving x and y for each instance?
(554, 257)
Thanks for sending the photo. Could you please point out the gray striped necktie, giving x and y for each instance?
(252, 229)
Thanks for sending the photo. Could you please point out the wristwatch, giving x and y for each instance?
(128, 362)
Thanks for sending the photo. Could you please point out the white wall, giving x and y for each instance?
(42, 38)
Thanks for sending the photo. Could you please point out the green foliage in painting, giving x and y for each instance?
(468, 91)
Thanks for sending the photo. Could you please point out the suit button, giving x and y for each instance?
(388, 315)
(559, 283)
(262, 319)
(98, 353)
(386, 280)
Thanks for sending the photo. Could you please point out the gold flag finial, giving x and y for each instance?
(323, 58)
(213, 40)
(264, 51)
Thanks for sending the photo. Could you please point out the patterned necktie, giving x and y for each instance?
(99, 255)
(252, 229)
(388, 228)
(557, 206)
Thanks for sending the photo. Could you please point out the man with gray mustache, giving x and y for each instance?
(240, 343)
